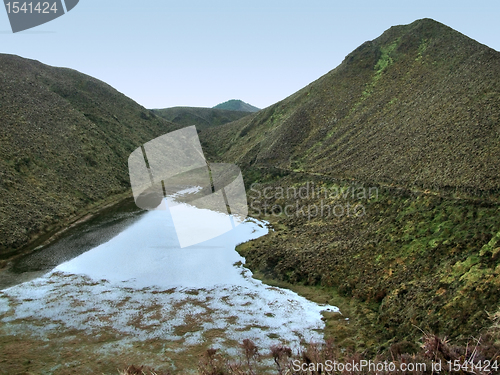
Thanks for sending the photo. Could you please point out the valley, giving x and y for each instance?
(410, 118)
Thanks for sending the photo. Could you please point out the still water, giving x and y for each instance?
(140, 285)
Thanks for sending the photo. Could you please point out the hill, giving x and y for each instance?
(64, 145)
(237, 105)
(417, 106)
(203, 118)
(403, 137)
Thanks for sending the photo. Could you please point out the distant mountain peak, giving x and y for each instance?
(237, 105)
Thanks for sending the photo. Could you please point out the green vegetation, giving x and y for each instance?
(427, 124)
(413, 261)
(415, 113)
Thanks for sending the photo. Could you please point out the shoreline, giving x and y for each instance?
(342, 328)
(353, 329)
(95, 311)
(43, 239)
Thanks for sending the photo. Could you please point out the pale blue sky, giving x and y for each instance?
(165, 53)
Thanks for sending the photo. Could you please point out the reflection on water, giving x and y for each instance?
(141, 285)
(148, 253)
(75, 241)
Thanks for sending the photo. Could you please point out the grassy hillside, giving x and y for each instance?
(237, 105)
(414, 116)
(64, 146)
(203, 118)
(418, 106)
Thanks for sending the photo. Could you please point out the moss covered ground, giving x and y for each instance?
(410, 261)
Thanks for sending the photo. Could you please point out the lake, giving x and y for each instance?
(140, 288)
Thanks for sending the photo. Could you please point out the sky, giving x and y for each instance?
(165, 53)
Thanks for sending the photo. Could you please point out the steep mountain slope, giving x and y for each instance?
(237, 105)
(203, 118)
(418, 106)
(395, 156)
(64, 146)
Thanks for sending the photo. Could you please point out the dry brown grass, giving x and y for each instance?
(143, 370)
(309, 361)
